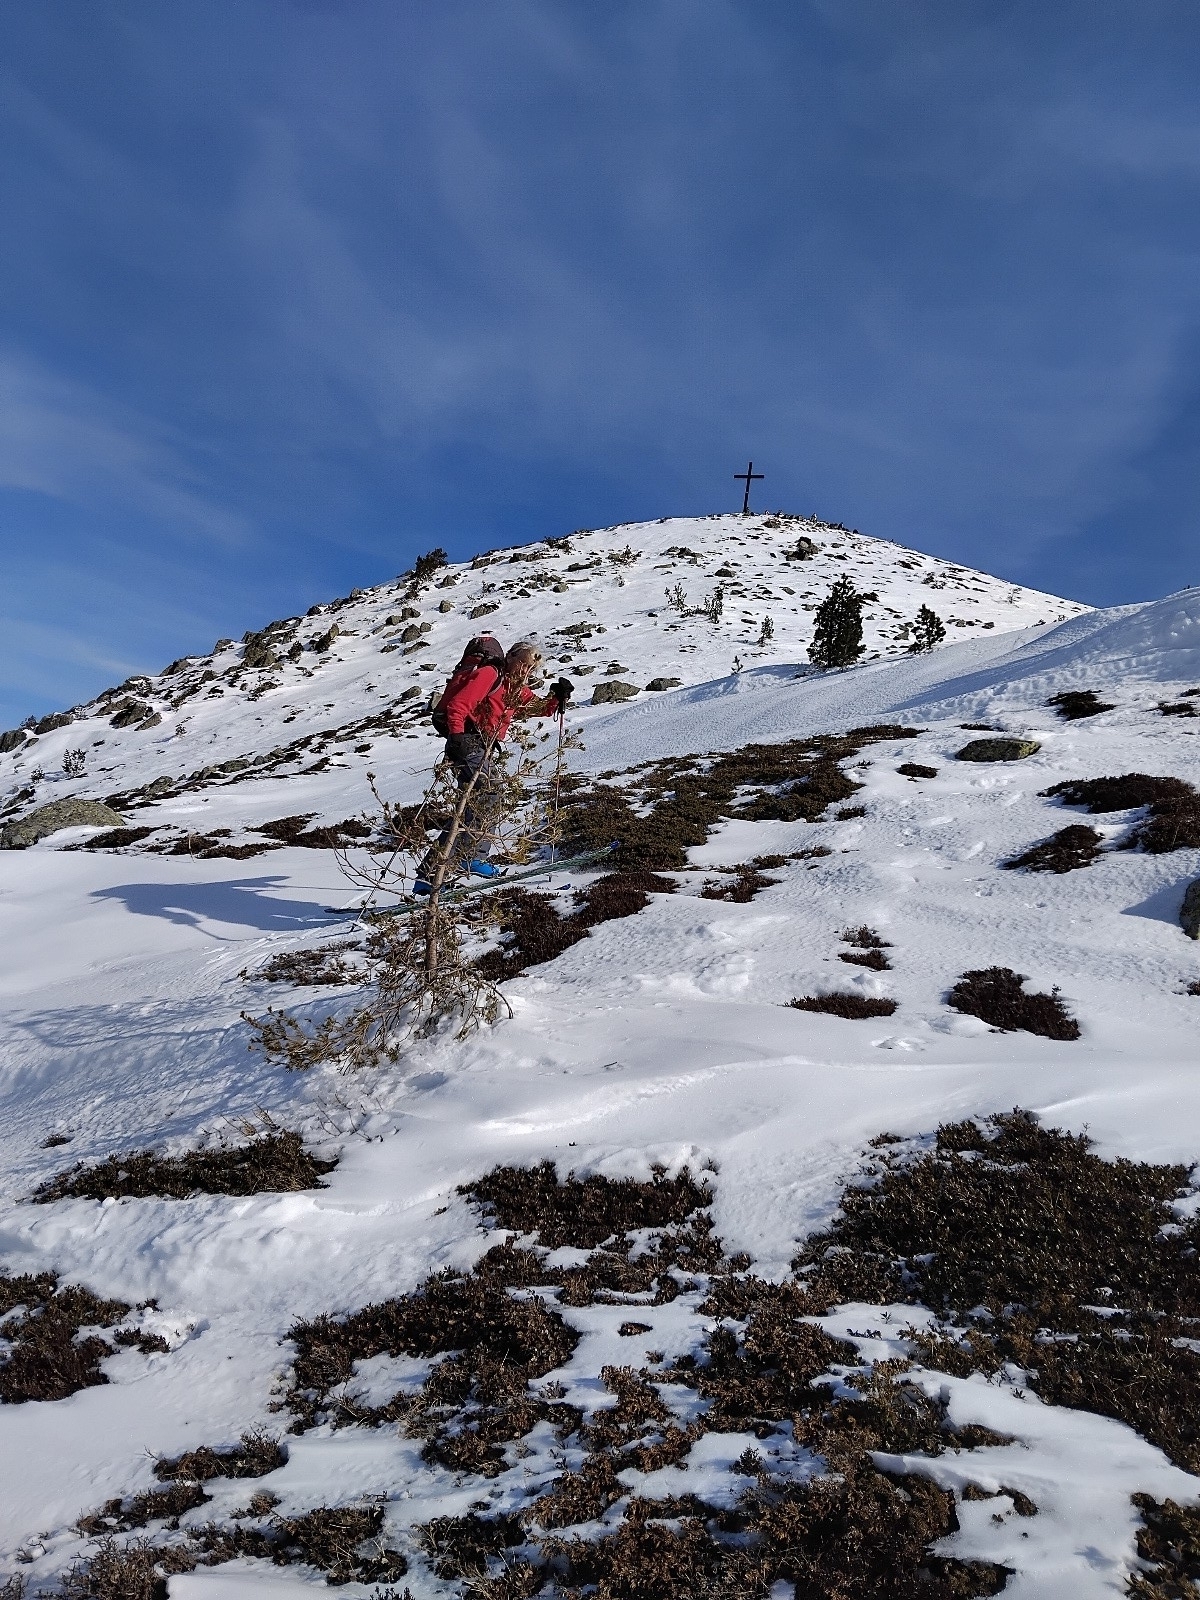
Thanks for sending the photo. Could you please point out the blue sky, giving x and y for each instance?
(290, 292)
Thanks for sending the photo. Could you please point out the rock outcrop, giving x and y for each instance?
(603, 693)
(48, 819)
(998, 750)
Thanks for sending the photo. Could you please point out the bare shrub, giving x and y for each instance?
(851, 1006)
(1124, 793)
(254, 1456)
(46, 1358)
(420, 968)
(277, 1162)
(995, 996)
(323, 966)
(584, 1212)
(1074, 704)
(1066, 851)
(875, 959)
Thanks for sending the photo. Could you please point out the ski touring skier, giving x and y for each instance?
(488, 688)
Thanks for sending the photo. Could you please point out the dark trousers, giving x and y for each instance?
(473, 842)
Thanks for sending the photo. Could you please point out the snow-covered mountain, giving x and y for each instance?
(339, 685)
(664, 1038)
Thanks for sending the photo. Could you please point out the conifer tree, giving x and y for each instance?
(928, 630)
(837, 637)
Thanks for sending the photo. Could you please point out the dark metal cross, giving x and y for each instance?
(749, 476)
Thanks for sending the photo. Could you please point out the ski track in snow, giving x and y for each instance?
(660, 1038)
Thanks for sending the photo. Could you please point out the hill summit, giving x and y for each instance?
(636, 610)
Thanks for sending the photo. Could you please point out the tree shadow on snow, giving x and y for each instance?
(238, 902)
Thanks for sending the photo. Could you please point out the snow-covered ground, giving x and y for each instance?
(665, 1037)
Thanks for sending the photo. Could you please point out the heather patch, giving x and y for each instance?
(277, 1162)
(995, 995)
(1065, 851)
(55, 1341)
(854, 1007)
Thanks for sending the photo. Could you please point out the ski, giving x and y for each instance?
(537, 869)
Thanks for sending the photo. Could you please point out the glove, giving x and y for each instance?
(562, 692)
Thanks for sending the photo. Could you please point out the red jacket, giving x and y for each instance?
(487, 703)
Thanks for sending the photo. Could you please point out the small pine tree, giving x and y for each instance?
(928, 630)
(837, 637)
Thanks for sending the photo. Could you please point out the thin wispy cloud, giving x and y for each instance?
(293, 291)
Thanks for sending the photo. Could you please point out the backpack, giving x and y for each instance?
(482, 651)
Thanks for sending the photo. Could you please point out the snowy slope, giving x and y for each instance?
(663, 1037)
(590, 608)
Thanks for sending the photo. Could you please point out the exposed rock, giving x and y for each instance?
(484, 609)
(604, 692)
(56, 719)
(131, 711)
(1189, 915)
(58, 814)
(446, 605)
(656, 685)
(325, 640)
(413, 632)
(160, 786)
(998, 750)
(12, 740)
(803, 549)
(152, 721)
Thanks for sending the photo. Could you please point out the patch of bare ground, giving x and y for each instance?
(995, 995)
(914, 769)
(1065, 851)
(54, 1337)
(854, 1007)
(278, 1162)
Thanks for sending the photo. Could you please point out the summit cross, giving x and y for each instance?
(750, 475)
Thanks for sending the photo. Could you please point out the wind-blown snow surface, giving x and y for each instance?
(663, 1037)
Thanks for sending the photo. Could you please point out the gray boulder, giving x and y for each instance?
(56, 719)
(1189, 915)
(58, 814)
(657, 685)
(12, 740)
(131, 712)
(998, 750)
(603, 693)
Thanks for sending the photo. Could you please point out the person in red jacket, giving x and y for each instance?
(476, 711)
